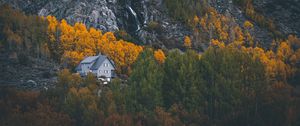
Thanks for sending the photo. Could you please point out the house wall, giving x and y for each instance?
(85, 68)
(103, 68)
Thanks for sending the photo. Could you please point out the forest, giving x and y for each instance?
(234, 81)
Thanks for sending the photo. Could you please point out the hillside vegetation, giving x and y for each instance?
(234, 81)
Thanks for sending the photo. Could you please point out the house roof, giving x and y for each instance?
(98, 60)
(89, 59)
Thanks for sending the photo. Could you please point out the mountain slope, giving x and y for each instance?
(149, 21)
(286, 14)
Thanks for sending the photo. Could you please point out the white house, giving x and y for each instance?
(101, 66)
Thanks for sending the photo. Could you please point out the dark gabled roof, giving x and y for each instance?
(89, 59)
(98, 62)
(112, 62)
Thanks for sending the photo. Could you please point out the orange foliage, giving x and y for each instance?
(284, 51)
(218, 26)
(187, 42)
(52, 27)
(78, 42)
(239, 35)
(278, 65)
(248, 25)
(196, 20)
(72, 57)
(160, 56)
(221, 27)
(215, 42)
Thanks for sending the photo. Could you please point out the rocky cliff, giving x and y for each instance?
(285, 13)
(132, 16)
(148, 20)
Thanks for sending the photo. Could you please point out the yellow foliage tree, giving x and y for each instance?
(278, 65)
(215, 42)
(187, 42)
(284, 51)
(72, 58)
(248, 25)
(78, 42)
(195, 20)
(238, 35)
(160, 56)
(52, 27)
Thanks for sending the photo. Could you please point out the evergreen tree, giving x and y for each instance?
(144, 91)
(182, 83)
(235, 83)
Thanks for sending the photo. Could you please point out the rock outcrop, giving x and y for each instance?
(285, 13)
(94, 13)
(154, 12)
(137, 17)
(132, 16)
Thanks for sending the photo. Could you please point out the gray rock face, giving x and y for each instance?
(154, 11)
(134, 16)
(286, 13)
(228, 8)
(94, 13)
(110, 15)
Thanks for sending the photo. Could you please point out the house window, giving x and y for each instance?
(105, 71)
(105, 64)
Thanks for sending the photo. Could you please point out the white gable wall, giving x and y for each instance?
(105, 69)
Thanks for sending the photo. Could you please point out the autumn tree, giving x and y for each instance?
(215, 26)
(187, 42)
(23, 36)
(159, 56)
(27, 108)
(217, 43)
(248, 25)
(248, 38)
(55, 48)
(70, 44)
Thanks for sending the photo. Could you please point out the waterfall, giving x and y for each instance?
(136, 20)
